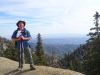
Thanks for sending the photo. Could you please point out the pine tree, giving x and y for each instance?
(71, 67)
(40, 52)
(10, 52)
(1, 47)
(92, 63)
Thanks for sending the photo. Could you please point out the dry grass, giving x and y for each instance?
(8, 67)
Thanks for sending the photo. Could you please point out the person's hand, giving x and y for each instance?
(19, 38)
(22, 37)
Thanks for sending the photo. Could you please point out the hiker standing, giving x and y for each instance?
(23, 35)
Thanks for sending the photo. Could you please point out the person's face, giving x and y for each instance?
(21, 25)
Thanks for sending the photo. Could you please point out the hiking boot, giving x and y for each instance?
(32, 67)
(19, 68)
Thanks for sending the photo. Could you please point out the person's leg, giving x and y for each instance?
(18, 54)
(20, 58)
(29, 56)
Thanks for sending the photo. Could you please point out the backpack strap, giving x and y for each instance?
(25, 31)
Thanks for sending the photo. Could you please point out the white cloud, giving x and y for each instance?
(50, 16)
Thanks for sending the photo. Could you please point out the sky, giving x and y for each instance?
(48, 16)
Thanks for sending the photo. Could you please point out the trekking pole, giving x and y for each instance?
(23, 53)
(20, 57)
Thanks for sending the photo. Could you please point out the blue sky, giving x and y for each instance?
(48, 16)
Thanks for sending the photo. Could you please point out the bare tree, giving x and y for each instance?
(53, 58)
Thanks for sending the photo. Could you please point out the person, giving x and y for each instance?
(22, 34)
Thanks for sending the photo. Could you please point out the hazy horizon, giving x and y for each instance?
(48, 36)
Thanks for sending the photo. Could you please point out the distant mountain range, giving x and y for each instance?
(71, 40)
(60, 45)
(57, 48)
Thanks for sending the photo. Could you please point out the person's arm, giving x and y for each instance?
(25, 38)
(15, 39)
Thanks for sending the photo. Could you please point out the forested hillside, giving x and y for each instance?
(86, 58)
(3, 45)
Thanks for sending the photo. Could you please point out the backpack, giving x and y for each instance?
(25, 32)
